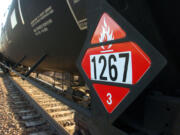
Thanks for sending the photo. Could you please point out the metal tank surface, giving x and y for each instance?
(45, 27)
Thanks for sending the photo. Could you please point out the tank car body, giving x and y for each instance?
(36, 28)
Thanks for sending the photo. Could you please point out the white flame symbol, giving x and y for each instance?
(106, 34)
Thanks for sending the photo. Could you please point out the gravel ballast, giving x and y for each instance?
(9, 125)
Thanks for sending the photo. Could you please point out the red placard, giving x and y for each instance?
(120, 63)
(137, 65)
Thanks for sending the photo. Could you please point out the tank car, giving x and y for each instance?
(36, 28)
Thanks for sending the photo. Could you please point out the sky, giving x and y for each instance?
(4, 4)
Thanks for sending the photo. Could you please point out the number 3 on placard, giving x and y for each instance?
(109, 101)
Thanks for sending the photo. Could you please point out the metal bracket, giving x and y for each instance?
(35, 65)
(19, 62)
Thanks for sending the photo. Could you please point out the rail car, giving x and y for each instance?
(52, 35)
(37, 23)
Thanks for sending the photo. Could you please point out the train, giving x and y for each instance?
(51, 33)
(44, 26)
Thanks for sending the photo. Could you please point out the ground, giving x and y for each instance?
(8, 122)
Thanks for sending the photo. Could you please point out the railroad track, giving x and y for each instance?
(59, 116)
(32, 121)
(58, 111)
